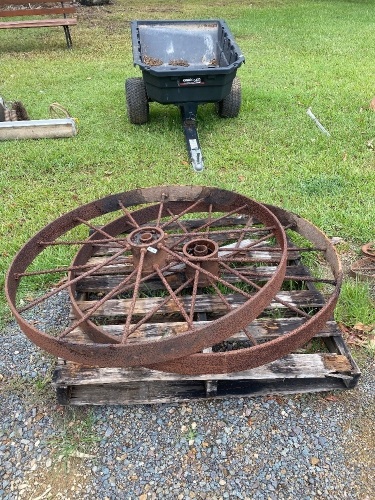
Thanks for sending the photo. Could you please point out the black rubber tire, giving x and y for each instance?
(136, 101)
(230, 106)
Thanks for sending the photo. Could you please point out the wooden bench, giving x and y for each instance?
(49, 14)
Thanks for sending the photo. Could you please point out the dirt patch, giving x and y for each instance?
(152, 61)
(61, 480)
(178, 62)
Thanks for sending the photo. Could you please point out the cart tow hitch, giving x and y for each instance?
(189, 123)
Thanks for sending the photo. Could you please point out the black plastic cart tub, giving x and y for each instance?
(186, 63)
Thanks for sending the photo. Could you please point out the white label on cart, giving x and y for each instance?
(191, 81)
(193, 144)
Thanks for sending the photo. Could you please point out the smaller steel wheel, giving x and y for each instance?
(230, 106)
(136, 101)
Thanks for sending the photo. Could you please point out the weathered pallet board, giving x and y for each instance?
(110, 276)
(262, 329)
(325, 364)
(295, 373)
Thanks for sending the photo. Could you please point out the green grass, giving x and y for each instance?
(298, 54)
(354, 305)
(76, 436)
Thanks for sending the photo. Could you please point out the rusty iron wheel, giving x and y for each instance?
(228, 358)
(369, 250)
(178, 248)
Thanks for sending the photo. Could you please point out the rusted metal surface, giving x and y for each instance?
(202, 253)
(257, 355)
(369, 250)
(184, 247)
(145, 244)
(157, 238)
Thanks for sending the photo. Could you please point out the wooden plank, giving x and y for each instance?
(163, 392)
(26, 2)
(291, 366)
(37, 12)
(204, 303)
(110, 276)
(46, 23)
(38, 129)
(261, 329)
(172, 392)
(256, 256)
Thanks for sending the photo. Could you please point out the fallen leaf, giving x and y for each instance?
(276, 398)
(363, 328)
(331, 398)
(314, 461)
(359, 326)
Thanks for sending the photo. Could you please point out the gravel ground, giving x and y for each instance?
(303, 446)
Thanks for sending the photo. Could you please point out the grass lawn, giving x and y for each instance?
(299, 54)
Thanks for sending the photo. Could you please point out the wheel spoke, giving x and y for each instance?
(251, 337)
(209, 217)
(100, 231)
(246, 246)
(161, 208)
(228, 232)
(184, 212)
(194, 295)
(207, 225)
(82, 242)
(218, 219)
(207, 273)
(132, 222)
(257, 287)
(221, 296)
(242, 235)
(174, 297)
(69, 283)
(135, 295)
(178, 222)
(115, 291)
(149, 315)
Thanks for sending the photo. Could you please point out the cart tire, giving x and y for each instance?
(136, 101)
(230, 106)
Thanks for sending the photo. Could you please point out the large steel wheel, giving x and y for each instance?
(299, 306)
(181, 258)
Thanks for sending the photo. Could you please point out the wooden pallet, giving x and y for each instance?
(296, 373)
(324, 364)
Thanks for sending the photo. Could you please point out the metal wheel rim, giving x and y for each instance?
(111, 354)
(235, 361)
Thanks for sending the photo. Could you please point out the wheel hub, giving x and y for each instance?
(146, 245)
(203, 253)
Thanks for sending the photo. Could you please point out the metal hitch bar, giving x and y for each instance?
(189, 124)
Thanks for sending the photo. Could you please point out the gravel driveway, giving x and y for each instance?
(294, 447)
